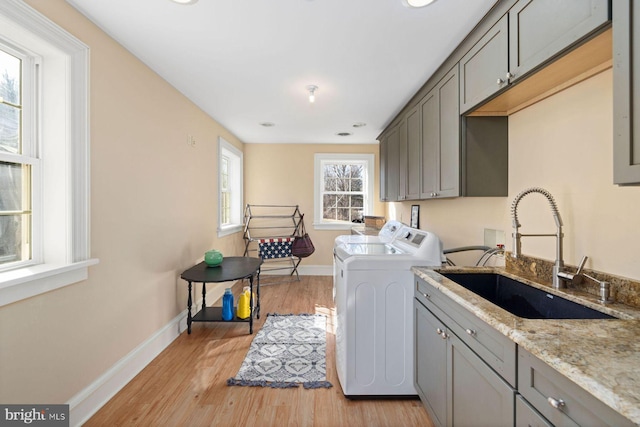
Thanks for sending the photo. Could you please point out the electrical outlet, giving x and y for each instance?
(493, 238)
(191, 140)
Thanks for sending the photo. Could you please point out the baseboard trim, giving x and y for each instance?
(87, 402)
(315, 270)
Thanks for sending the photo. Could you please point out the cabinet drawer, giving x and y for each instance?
(526, 416)
(543, 387)
(495, 349)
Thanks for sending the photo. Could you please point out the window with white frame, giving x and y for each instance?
(343, 189)
(230, 163)
(44, 121)
(18, 161)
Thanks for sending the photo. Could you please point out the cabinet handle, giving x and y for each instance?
(427, 296)
(510, 76)
(500, 82)
(471, 332)
(442, 333)
(556, 403)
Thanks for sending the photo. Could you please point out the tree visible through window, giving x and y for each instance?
(225, 192)
(343, 189)
(15, 169)
(343, 192)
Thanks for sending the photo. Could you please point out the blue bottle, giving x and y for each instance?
(227, 305)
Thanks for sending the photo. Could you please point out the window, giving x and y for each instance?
(17, 157)
(44, 210)
(229, 188)
(343, 189)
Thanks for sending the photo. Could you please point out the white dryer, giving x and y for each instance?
(373, 286)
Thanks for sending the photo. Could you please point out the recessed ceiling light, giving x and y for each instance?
(359, 125)
(343, 133)
(417, 3)
(185, 1)
(267, 124)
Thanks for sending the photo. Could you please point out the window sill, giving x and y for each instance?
(230, 229)
(23, 283)
(333, 225)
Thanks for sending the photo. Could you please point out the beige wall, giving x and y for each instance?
(563, 144)
(153, 214)
(282, 174)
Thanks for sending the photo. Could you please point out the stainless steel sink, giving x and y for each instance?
(521, 299)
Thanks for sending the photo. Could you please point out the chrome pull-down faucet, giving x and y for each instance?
(558, 266)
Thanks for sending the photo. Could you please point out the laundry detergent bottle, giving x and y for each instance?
(227, 305)
(244, 303)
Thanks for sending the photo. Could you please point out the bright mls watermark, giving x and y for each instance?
(34, 415)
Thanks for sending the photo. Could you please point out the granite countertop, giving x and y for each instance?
(601, 356)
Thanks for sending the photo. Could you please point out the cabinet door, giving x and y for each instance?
(539, 29)
(478, 396)
(449, 143)
(560, 400)
(484, 68)
(626, 93)
(402, 160)
(414, 150)
(526, 416)
(393, 165)
(383, 167)
(430, 364)
(430, 141)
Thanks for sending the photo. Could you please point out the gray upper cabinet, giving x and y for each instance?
(393, 165)
(626, 93)
(414, 151)
(402, 160)
(441, 139)
(483, 70)
(540, 29)
(382, 156)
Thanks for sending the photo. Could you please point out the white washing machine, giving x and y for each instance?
(373, 286)
(386, 234)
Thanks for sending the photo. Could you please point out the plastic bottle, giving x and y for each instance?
(244, 302)
(227, 305)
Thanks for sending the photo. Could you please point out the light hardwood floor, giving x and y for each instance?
(186, 384)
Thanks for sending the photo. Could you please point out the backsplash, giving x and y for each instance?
(623, 290)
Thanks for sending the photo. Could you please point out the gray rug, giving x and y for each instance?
(289, 350)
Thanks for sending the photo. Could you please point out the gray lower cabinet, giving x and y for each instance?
(626, 93)
(526, 416)
(559, 400)
(456, 386)
(540, 29)
(440, 117)
(430, 364)
(478, 396)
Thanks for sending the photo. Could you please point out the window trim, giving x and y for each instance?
(66, 262)
(238, 200)
(319, 160)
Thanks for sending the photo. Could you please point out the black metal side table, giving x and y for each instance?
(232, 268)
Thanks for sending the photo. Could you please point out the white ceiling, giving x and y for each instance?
(245, 62)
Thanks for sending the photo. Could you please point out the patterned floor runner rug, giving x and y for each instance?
(289, 350)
